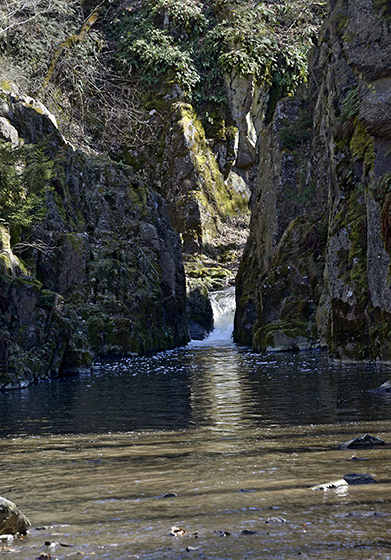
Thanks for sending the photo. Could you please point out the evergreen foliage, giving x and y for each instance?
(24, 181)
(267, 40)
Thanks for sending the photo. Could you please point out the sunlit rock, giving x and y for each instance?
(8, 133)
(12, 520)
(177, 531)
(334, 485)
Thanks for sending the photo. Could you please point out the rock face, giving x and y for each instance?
(199, 310)
(12, 520)
(320, 260)
(109, 278)
(278, 281)
(195, 181)
(352, 106)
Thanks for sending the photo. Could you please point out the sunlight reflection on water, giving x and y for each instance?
(231, 437)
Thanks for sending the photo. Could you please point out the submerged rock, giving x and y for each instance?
(363, 441)
(12, 520)
(349, 479)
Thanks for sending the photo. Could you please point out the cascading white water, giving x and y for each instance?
(223, 306)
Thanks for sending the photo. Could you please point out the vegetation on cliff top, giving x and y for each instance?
(92, 62)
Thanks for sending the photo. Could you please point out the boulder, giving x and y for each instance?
(8, 133)
(199, 309)
(12, 520)
(362, 441)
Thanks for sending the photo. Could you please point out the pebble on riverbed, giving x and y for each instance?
(177, 531)
(384, 388)
(6, 538)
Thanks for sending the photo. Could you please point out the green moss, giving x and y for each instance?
(6, 86)
(215, 193)
(77, 241)
(5, 265)
(47, 299)
(351, 104)
(383, 7)
(22, 281)
(362, 147)
(263, 337)
(297, 132)
(112, 335)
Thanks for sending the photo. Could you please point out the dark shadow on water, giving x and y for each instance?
(199, 386)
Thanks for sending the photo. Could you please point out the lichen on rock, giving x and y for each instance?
(346, 302)
(108, 276)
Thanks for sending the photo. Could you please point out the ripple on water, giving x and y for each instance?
(237, 437)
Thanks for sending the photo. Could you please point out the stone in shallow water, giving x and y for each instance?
(363, 441)
(356, 478)
(384, 388)
(12, 520)
(336, 484)
(276, 520)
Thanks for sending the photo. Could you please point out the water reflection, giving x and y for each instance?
(219, 397)
(238, 437)
(223, 387)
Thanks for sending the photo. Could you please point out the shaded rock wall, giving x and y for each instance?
(351, 119)
(278, 279)
(110, 278)
(316, 267)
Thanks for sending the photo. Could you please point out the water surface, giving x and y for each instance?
(238, 437)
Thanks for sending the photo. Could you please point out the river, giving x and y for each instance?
(213, 439)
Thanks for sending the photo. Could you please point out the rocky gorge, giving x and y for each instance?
(316, 267)
(104, 271)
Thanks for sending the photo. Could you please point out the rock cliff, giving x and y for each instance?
(100, 275)
(316, 266)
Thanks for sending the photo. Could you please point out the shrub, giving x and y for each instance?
(24, 181)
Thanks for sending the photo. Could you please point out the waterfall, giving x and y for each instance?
(223, 306)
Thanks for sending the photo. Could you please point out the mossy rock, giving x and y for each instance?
(282, 336)
(362, 147)
(48, 299)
